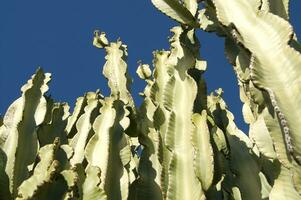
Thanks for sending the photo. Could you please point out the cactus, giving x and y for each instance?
(181, 143)
(261, 81)
(84, 127)
(43, 173)
(19, 129)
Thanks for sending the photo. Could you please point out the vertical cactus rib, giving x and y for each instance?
(20, 122)
(163, 62)
(187, 188)
(103, 149)
(84, 127)
(81, 102)
(180, 128)
(115, 70)
(204, 162)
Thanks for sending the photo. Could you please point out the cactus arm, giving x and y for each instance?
(170, 139)
(177, 11)
(269, 32)
(242, 160)
(178, 151)
(13, 112)
(204, 163)
(43, 174)
(84, 128)
(148, 185)
(178, 143)
(108, 141)
(24, 115)
(115, 69)
(162, 69)
(48, 181)
(101, 143)
(270, 131)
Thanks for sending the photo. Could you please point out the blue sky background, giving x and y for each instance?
(57, 35)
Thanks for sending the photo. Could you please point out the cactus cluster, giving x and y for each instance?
(181, 143)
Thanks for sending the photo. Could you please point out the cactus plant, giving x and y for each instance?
(181, 143)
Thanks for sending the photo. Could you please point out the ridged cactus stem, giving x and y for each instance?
(20, 121)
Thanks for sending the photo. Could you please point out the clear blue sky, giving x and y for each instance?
(57, 35)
